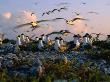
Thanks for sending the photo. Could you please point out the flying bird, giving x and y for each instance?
(63, 8)
(62, 3)
(46, 13)
(83, 3)
(32, 14)
(77, 13)
(61, 32)
(36, 3)
(69, 22)
(92, 12)
(52, 11)
(33, 25)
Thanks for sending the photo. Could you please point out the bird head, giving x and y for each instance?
(34, 24)
(70, 22)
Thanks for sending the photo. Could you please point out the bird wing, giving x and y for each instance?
(19, 26)
(58, 19)
(43, 21)
(43, 14)
(93, 12)
(54, 10)
(77, 13)
(63, 8)
(78, 19)
(53, 33)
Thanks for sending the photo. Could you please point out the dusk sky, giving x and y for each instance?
(15, 12)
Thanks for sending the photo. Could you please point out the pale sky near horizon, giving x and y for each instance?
(97, 23)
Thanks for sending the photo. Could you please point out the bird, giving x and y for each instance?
(83, 3)
(36, 3)
(97, 35)
(32, 14)
(69, 22)
(92, 12)
(61, 32)
(63, 8)
(54, 10)
(46, 13)
(77, 13)
(33, 24)
(62, 3)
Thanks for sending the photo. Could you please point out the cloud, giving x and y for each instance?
(7, 15)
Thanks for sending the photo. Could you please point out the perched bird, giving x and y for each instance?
(40, 44)
(108, 38)
(33, 25)
(97, 36)
(58, 47)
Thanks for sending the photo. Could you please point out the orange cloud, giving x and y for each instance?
(7, 15)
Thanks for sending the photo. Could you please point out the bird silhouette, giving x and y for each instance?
(83, 3)
(63, 8)
(92, 12)
(62, 3)
(77, 13)
(46, 13)
(52, 11)
(61, 32)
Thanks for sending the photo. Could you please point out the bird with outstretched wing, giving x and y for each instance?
(78, 19)
(54, 10)
(63, 8)
(69, 22)
(61, 32)
(92, 12)
(33, 25)
(77, 13)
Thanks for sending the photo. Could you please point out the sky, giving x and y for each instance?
(16, 12)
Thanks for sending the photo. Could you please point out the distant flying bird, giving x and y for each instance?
(61, 32)
(52, 11)
(36, 3)
(33, 25)
(83, 3)
(62, 3)
(92, 12)
(32, 14)
(46, 13)
(69, 22)
(77, 13)
(63, 8)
